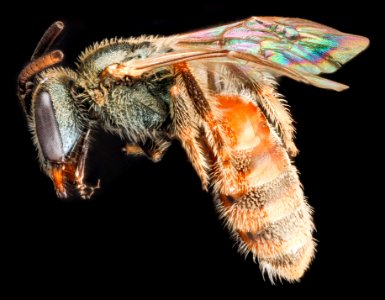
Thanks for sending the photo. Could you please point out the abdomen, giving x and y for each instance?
(266, 210)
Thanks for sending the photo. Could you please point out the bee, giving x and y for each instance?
(214, 90)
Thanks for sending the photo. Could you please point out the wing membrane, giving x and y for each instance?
(296, 48)
(297, 44)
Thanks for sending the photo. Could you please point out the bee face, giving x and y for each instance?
(57, 123)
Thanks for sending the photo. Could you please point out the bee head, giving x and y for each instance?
(58, 126)
(57, 120)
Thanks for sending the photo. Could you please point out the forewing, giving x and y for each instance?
(296, 44)
(296, 48)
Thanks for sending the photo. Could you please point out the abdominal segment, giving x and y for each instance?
(266, 209)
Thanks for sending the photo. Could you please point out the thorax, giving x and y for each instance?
(129, 107)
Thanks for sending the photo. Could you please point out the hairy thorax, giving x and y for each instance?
(132, 107)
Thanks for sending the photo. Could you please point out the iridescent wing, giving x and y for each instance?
(296, 48)
(297, 44)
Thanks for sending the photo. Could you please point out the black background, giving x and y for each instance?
(151, 224)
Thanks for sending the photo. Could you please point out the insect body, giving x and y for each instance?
(214, 90)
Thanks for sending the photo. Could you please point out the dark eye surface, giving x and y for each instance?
(47, 130)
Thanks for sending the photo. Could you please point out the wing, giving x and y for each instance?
(295, 48)
(297, 44)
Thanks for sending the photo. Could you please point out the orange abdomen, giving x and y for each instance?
(266, 209)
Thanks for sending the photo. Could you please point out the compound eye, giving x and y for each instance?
(47, 129)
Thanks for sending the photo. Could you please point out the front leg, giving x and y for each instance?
(75, 169)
